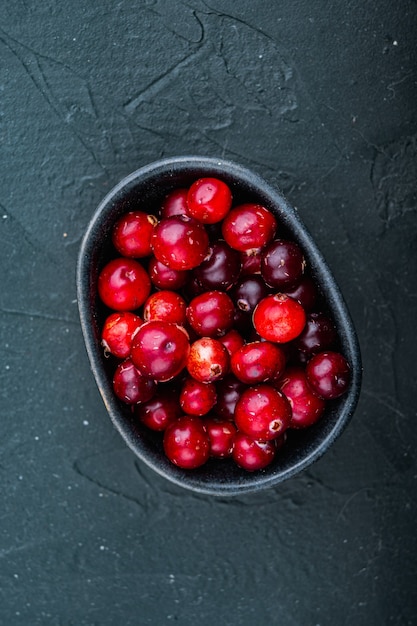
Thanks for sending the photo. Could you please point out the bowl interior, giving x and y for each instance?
(144, 190)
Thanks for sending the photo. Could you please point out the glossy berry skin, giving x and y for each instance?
(251, 262)
(160, 350)
(232, 340)
(248, 227)
(282, 264)
(328, 374)
(164, 277)
(116, 336)
(186, 442)
(211, 314)
(123, 284)
(208, 360)
(220, 269)
(305, 292)
(132, 234)
(262, 412)
(165, 305)
(130, 385)
(221, 435)
(197, 398)
(175, 203)
(160, 411)
(252, 455)
(209, 200)
(257, 362)
(229, 390)
(307, 407)
(180, 242)
(279, 318)
(318, 334)
(248, 292)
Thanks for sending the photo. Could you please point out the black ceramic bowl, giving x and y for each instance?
(144, 190)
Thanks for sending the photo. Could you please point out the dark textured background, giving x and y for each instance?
(320, 99)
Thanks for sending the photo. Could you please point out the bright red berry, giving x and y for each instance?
(306, 406)
(262, 412)
(160, 411)
(251, 454)
(211, 314)
(165, 305)
(164, 277)
(118, 329)
(209, 200)
(180, 242)
(279, 318)
(123, 284)
(221, 435)
(208, 360)
(130, 385)
(175, 203)
(248, 227)
(197, 398)
(258, 361)
(132, 234)
(232, 340)
(160, 349)
(186, 442)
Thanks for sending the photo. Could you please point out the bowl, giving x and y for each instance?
(146, 187)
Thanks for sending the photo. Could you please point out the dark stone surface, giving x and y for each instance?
(319, 98)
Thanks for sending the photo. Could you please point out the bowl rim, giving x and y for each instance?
(287, 215)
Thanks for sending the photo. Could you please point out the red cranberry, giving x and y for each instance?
(306, 406)
(180, 242)
(116, 336)
(123, 284)
(248, 226)
(305, 293)
(229, 390)
(328, 374)
(175, 203)
(279, 318)
(209, 200)
(262, 412)
(220, 269)
(130, 385)
(160, 411)
(208, 360)
(211, 314)
(251, 262)
(160, 349)
(197, 398)
(257, 362)
(132, 234)
(282, 264)
(252, 455)
(165, 305)
(221, 435)
(164, 277)
(319, 334)
(232, 340)
(186, 442)
(248, 292)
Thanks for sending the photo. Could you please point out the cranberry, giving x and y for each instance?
(319, 334)
(160, 411)
(220, 269)
(328, 374)
(180, 242)
(282, 264)
(160, 349)
(164, 277)
(186, 442)
(305, 293)
(123, 284)
(211, 314)
(197, 398)
(229, 390)
(232, 340)
(175, 203)
(257, 362)
(251, 262)
(132, 234)
(208, 360)
(248, 292)
(262, 412)
(209, 200)
(221, 435)
(306, 406)
(165, 305)
(252, 455)
(116, 336)
(279, 318)
(248, 226)
(130, 385)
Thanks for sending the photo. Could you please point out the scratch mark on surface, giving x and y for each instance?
(38, 314)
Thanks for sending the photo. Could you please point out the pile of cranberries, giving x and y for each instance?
(219, 334)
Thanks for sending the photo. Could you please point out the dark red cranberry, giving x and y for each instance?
(164, 277)
(130, 385)
(279, 318)
(252, 455)
(186, 442)
(221, 435)
(209, 200)
(251, 262)
(262, 412)
(282, 264)
(175, 203)
(180, 242)
(132, 234)
(160, 349)
(229, 390)
(248, 227)
(208, 360)
(248, 292)
(306, 406)
(116, 336)
(197, 398)
(211, 314)
(160, 411)
(165, 305)
(232, 340)
(306, 293)
(328, 374)
(257, 362)
(220, 269)
(123, 284)
(319, 334)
